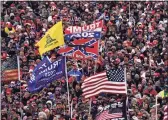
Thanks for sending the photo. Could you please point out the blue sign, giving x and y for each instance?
(83, 35)
(75, 73)
(46, 74)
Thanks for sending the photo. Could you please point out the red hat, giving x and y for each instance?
(142, 55)
(65, 19)
(140, 114)
(133, 85)
(110, 52)
(55, 17)
(12, 5)
(26, 44)
(70, 80)
(134, 90)
(94, 101)
(22, 87)
(156, 74)
(153, 12)
(117, 60)
(52, 3)
(4, 55)
(22, 11)
(9, 25)
(34, 97)
(17, 18)
(155, 42)
(98, 62)
(75, 99)
(118, 100)
(63, 81)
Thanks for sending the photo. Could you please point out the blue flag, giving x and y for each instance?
(83, 35)
(46, 74)
(45, 62)
(75, 73)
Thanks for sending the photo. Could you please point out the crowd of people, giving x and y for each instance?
(135, 34)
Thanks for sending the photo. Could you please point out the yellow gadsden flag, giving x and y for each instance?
(53, 38)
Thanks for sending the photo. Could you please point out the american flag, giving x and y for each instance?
(105, 115)
(10, 69)
(165, 112)
(111, 81)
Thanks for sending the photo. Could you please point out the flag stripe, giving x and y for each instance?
(105, 91)
(15, 77)
(97, 75)
(93, 83)
(105, 115)
(107, 84)
(10, 75)
(11, 71)
(10, 79)
(108, 117)
(96, 79)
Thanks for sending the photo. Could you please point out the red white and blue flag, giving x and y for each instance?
(111, 81)
(105, 115)
(96, 35)
(94, 27)
(113, 111)
(81, 49)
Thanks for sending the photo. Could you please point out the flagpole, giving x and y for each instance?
(67, 83)
(90, 105)
(18, 63)
(95, 67)
(125, 78)
(71, 108)
(129, 11)
(156, 107)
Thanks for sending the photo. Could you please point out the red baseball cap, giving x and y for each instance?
(156, 74)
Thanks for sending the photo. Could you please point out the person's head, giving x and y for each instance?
(49, 104)
(166, 88)
(42, 116)
(150, 85)
(47, 111)
(139, 86)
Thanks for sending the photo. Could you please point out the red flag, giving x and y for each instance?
(81, 49)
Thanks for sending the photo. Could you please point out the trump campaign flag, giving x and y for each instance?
(114, 111)
(47, 74)
(94, 27)
(44, 63)
(53, 38)
(96, 35)
(81, 49)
